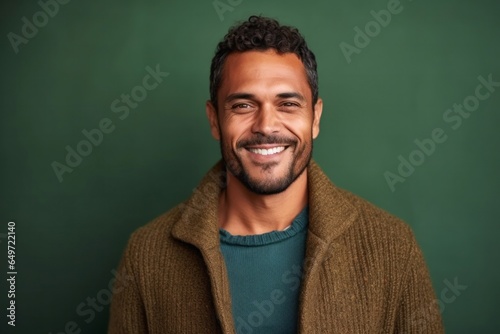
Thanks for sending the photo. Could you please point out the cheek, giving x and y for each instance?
(300, 128)
(235, 129)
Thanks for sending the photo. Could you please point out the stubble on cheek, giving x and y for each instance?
(231, 159)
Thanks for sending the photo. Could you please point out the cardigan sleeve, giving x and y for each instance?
(419, 311)
(127, 313)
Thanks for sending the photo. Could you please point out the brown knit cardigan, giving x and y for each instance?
(363, 271)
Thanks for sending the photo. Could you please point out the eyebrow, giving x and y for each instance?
(248, 96)
(238, 96)
(291, 95)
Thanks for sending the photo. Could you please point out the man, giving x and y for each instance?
(266, 243)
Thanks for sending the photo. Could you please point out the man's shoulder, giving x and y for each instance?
(158, 229)
(375, 234)
(351, 215)
(377, 221)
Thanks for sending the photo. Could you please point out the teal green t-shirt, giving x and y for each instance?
(265, 272)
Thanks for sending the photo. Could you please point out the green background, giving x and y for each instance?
(71, 234)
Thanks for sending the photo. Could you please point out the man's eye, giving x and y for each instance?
(241, 106)
(290, 105)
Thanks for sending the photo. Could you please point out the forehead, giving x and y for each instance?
(264, 71)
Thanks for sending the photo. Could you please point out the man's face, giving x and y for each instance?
(265, 120)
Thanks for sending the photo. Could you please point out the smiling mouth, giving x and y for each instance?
(267, 151)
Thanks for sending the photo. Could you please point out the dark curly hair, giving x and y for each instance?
(262, 33)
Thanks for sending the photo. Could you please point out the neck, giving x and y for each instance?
(243, 212)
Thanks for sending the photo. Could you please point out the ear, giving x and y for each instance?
(212, 119)
(318, 109)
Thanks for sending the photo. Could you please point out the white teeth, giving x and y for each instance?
(273, 150)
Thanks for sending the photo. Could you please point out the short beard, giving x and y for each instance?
(235, 166)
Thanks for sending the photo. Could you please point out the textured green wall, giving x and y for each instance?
(383, 89)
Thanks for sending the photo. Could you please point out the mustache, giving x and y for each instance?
(260, 140)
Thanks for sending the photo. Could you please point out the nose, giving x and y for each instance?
(266, 120)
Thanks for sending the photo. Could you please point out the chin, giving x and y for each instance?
(266, 188)
(266, 182)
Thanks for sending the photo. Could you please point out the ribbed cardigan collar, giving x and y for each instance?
(198, 224)
(330, 215)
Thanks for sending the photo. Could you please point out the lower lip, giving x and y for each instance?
(266, 158)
